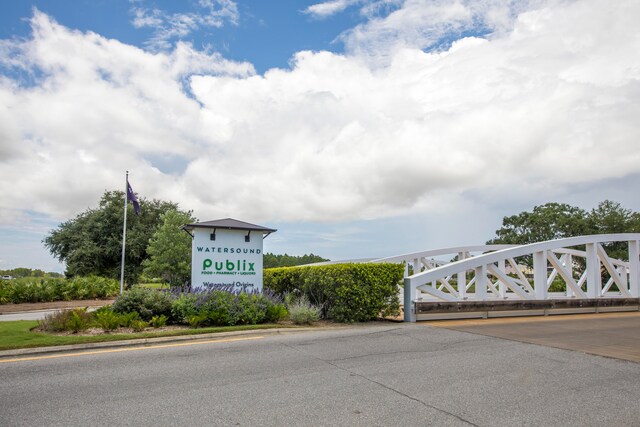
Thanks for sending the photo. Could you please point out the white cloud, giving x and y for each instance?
(427, 24)
(169, 27)
(328, 8)
(546, 105)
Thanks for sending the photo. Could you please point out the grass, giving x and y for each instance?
(157, 286)
(18, 334)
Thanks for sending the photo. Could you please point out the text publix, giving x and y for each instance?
(228, 267)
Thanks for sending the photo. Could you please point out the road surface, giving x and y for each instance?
(365, 375)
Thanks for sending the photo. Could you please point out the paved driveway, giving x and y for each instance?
(614, 335)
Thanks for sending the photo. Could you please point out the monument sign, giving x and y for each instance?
(227, 253)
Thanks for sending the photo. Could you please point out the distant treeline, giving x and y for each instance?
(271, 261)
(28, 272)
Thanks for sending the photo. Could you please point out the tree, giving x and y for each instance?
(271, 261)
(557, 221)
(610, 218)
(169, 250)
(91, 243)
(546, 222)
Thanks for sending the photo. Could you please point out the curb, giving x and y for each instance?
(148, 341)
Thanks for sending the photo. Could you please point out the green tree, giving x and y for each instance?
(557, 221)
(169, 250)
(272, 261)
(611, 218)
(546, 222)
(91, 243)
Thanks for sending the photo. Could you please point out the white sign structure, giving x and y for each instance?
(227, 254)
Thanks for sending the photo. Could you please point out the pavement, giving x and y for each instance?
(615, 335)
(38, 310)
(375, 374)
(52, 305)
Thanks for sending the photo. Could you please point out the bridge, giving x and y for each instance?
(553, 277)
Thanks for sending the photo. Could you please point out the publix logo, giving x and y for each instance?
(228, 267)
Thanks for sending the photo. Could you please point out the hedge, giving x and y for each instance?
(345, 292)
(202, 307)
(38, 289)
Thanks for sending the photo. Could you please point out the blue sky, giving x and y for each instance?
(357, 128)
(266, 33)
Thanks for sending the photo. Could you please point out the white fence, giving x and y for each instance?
(500, 274)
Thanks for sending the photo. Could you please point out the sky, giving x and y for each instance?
(357, 128)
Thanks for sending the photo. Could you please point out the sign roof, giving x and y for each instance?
(229, 224)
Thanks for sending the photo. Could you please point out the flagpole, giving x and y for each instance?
(124, 233)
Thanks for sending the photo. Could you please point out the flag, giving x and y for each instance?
(133, 199)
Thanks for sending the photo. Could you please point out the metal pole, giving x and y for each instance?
(124, 233)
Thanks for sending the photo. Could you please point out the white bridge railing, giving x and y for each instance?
(498, 275)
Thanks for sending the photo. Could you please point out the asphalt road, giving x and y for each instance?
(26, 315)
(31, 315)
(381, 374)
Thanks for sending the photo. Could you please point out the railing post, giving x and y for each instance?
(409, 298)
(481, 283)
(594, 279)
(540, 274)
(502, 288)
(416, 270)
(568, 264)
(462, 278)
(634, 268)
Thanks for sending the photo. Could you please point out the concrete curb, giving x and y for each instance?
(149, 341)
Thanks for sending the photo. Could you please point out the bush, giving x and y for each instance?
(75, 320)
(344, 292)
(216, 306)
(146, 302)
(221, 307)
(283, 280)
(39, 289)
(139, 325)
(197, 320)
(303, 313)
(183, 307)
(276, 313)
(248, 309)
(128, 318)
(107, 319)
(159, 321)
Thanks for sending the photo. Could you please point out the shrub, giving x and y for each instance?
(283, 280)
(139, 325)
(183, 307)
(146, 302)
(276, 312)
(54, 322)
(79, 320)
(197, 320)
(75, 320)
(39, 289)
(128, 318)
(344, 292)
(107, 319)
(159, 321)
(248, 309)
(217, 305)
(303, 313)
